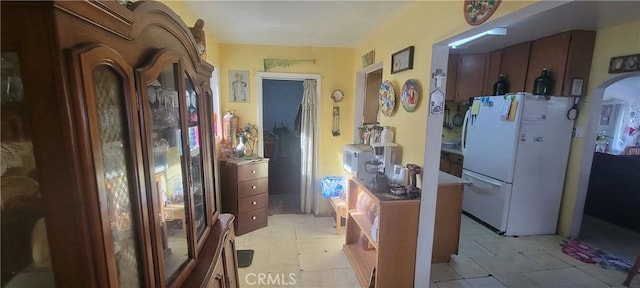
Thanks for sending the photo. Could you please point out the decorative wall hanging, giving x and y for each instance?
(387, 98)
(238, 86)
(410, 95)
(337, 95)
(369, 58)
(402, 60)
(335, 131)
(477, 12)
(621, 64)
(271, 63)
(436, 101)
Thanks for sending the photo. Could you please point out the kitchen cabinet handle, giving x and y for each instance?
(253, 171)
(254, 203)
(253, 187)
(253, 218)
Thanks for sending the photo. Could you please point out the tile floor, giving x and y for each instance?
(298, 250)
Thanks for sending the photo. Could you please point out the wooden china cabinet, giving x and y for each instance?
(107, 151)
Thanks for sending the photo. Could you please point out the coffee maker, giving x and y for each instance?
(385, 153)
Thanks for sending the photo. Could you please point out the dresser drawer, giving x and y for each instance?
(247, 204)
(253, 171)
(252, 220)
(253, 187)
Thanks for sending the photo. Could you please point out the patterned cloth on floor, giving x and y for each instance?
(588, 254)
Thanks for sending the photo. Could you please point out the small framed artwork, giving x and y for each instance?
(622, 64)
(369, 58)
(238, 86)
(402, 60)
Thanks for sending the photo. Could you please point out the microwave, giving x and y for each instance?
(354, 157)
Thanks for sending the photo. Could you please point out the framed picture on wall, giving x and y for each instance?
(238, 86)
(402, 60)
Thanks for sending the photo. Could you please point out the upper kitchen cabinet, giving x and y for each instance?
(107, 175)
(452, 75)
(492, 71)
(567, 55)
(514, 65)
(471, 75)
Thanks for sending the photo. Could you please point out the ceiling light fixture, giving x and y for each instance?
(496, 31)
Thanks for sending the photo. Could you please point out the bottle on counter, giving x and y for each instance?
(501, 87)
(543, 85)
(386, 136)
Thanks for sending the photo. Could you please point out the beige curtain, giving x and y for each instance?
(308, 197)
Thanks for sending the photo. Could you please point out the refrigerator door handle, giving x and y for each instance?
(484, 180)
(464, 132)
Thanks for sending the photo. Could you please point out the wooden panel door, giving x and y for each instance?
(551, 53)
(493, 72)
(452, 75)
(470, 80)
(514, 66)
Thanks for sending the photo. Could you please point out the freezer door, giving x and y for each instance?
(487, 199)
(491, 140)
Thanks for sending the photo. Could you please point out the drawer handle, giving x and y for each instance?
(253, 187)
(253, 218)
(253, 171)
(254, 202)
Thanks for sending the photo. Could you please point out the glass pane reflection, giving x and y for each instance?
(167, 168)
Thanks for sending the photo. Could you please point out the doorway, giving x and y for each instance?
(307, 201)
(281, 115)
(610, 205)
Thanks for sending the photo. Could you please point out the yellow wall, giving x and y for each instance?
(610, 42)
(213, 55)
(420, 24)
(334, 65)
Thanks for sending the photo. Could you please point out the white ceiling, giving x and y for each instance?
(293, 23)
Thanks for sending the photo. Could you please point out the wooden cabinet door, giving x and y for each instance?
(170, 174)
(551, 53)
(493, 72)
(452, 75)
(108, 85)
(470, 78)
(445, 164)
(230, 260)
(514, 65)
(579, 60)
(217, 276)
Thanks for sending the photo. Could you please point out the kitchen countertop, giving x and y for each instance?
(453, 150)
(448, 179)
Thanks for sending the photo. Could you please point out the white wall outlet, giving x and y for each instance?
(577, 132)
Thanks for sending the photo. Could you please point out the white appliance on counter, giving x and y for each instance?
(516, 165)
(354, 158)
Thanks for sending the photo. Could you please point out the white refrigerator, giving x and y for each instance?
(516, 163)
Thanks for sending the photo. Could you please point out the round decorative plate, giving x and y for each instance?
(410, 95)
(477, 12)
(387, 98)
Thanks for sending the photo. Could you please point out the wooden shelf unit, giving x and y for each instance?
(395, 249)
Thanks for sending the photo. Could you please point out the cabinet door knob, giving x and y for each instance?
(253, 218)
(254, 202)
(253, 187)
(253, 171)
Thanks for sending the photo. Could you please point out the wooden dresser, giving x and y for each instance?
(245, 187)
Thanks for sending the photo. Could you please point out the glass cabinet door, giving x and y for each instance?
(168, 169)
(108, 83)
(25, 248)
(195, 158)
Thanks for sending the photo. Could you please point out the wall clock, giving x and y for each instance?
(477, 12)
(337, 95)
